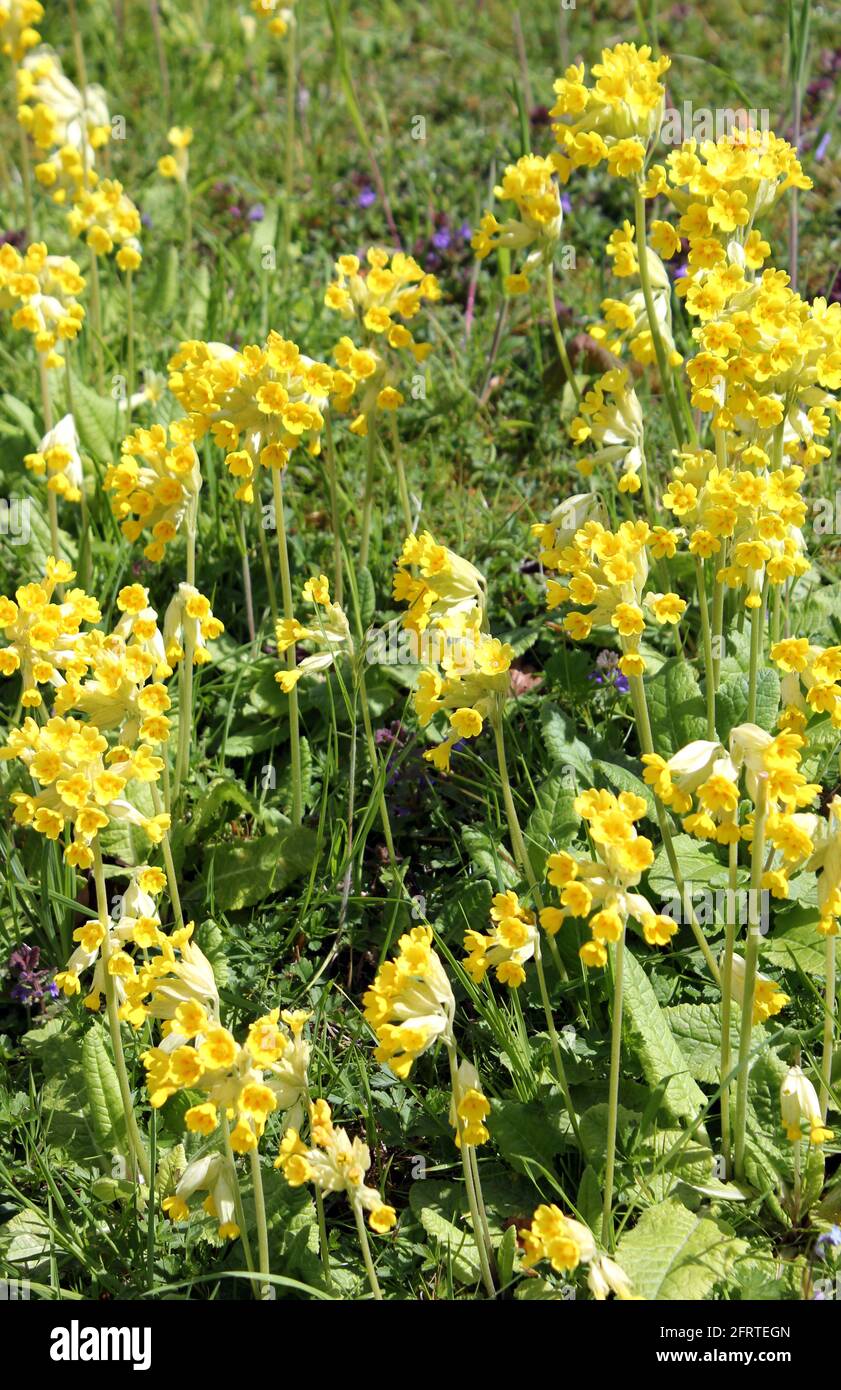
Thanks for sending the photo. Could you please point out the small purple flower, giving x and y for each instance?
(366, 197)
(566, 202)
(31, 983)
(234, 211)
(831, 1238)
(820, 152)
(465, 231)
(606, 672)
(257, 213)
(442, 239)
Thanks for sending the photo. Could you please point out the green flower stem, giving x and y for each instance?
(556, 330)
(717, 632)
(289, 151)
(289, 611)
(700, 580)
(368, 499)
(260, 1218)
(238, 1204)
(526, 869)
(828, 1026)
(267, 563)
(751, 957)
(374, 760)
(185, 675)
(640, 704)
(757, 626)
(402, 486)
(140, 1159)
(330, 453)
(613, 1089)
(129, 343)
(25, 166)
(322, 1236)
(169, 863)
(726, 1007)
(96, 312)
(366, 1251)
(472, 1197)
(659, 350)
(47, 412)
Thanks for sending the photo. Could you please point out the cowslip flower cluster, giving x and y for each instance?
(45, 642)
(598, 890)
(17, 27)
(329, 631)
(213, 1175)
(702, 769)
(117, 692)
(410, 1006)
(334, 1163)
(469, 1107)
(155, 483)
(768, 998)
(138, 926)
(57, 459)
(747, 517)
(381, 297)
(276, 16)
(610, 416)
(506, 946)
(810, 680)
(41, 290)
(82, 784)
(177, 165)
(260, 403)
(566, 1244)
(189, 621)
(530, 185)
(245, 1083)
(608, 574)
(626, 320)
(108, 219)
(466, 669)
(615, 118)
(798, 1103)
(56, 114)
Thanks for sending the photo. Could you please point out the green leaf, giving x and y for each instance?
(796, 942)
(653, 1044)
(222, 792)
(367, 596)
(700, 865)
(97, 420)
(562, 743)
(732, 702)
(25, 1242)
(696, 1029)
(491, 859)
(529, 1135)
(553, 823)
(104, 1103)
(438, 1208)
(247, 873)
(676, 707)
(674, 1254)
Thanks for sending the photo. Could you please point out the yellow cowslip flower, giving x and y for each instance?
(626, 319)
(799, 1102)
(44, 639)
(17, 27)
(598, 889)
(530, 185)
(41, 290)
(117, 692)
(211, 1174)
(81, 783)
(247, 1082)
(776, 760)
(56, 113)
(335, 1163)
(178, 988)
(260, 403)
(177, 166)
(610, 416)
(63, 175)
(154, 485)
(506, 947)
(768, 999)
(614, 119)
(702, 769)
(329, 631)
(444, 592)
(277, 17)
(811, 675)
(469, 1107)
(410, 1005)
(57, 459)
(381, 298)
(722, 187)
(189, 620)
(561, 1240)
(108, 220)
(138, 925)
(608, 573)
